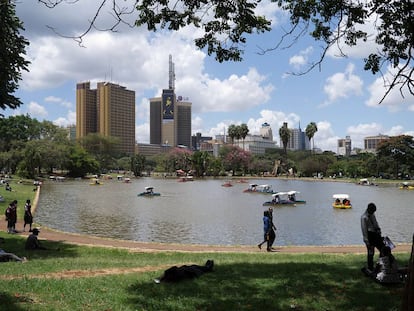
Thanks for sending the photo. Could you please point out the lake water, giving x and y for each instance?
(204, 212)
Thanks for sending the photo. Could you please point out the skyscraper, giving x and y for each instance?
(108, 110)
(170, 117)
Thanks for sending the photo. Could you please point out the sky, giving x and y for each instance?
(339, 96)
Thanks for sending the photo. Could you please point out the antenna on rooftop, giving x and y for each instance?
(171, 74)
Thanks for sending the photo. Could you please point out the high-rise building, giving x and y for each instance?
(86, 111)
(108, 110)
(170, 117)
(298, 140)
(371, 142)
(344, 146)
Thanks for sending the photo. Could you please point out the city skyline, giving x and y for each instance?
(340, 98)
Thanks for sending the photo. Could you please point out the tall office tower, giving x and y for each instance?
(114, 114)
(170, 118)
(86, 111)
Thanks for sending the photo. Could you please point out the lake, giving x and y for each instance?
(204, 212)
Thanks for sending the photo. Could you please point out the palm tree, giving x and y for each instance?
(284, 134)
(310, 131)
(232, 132)
(244, 130)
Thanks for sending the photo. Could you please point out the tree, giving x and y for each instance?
(138, 164)
(284, 134)
(12, 51)
(232, 132)
(244, 130)
(310, 131)
(397, 151)
(225, 25)
(235, 159)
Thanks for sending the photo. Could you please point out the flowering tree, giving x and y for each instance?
(235, 159)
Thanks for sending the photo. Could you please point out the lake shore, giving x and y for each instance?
(81, 239)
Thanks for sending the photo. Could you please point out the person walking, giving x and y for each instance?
(266, 224)
(371, 233)
(28, 217)
(272, 231)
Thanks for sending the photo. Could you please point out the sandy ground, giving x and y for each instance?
(54, 235)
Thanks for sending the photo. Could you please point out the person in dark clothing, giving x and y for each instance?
(32, 242)
(28, 217)
(11, 217)
(176, 274)
(272, 231)
(371, 233)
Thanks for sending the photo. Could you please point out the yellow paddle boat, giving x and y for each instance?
(341, 201)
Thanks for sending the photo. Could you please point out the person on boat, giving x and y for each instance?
(291, 197)
(276, 199)
(371, 233)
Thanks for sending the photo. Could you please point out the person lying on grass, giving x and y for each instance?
(176, 274)
(5, 256)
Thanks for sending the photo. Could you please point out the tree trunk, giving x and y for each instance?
(408, 299)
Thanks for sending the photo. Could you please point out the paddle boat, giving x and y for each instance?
(149, 192)
(366, 182)
(96, 182)
(341, 201)
(255, 188)
(284, 198)
(185, 178)
(227, 184)
(406, 186)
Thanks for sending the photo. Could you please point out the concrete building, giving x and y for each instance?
(344, 146)
(170, 117)
(298, 140)
(371, 142)
(257, 144)
(86, 110)
(109, 111)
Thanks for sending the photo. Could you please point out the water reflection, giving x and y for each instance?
(204, 212)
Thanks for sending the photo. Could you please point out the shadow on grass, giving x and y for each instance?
(279, 286)
(16, 244)
(8, 302)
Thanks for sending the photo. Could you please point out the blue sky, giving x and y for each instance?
(340, 97)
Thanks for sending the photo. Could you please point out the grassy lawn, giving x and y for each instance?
(93, 278)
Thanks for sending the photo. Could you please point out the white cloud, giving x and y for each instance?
(69, 120)
(395, 100)
(36, 110)
(53, 99)
(301, 59)
(343, 85)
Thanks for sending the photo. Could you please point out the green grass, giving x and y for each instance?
(260, 281)
(21, 191)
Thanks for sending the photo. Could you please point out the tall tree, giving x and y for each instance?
(12, 51)
(284, 134)
(310, 131)
(244, 130)
(225, 26)
(232, 132)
